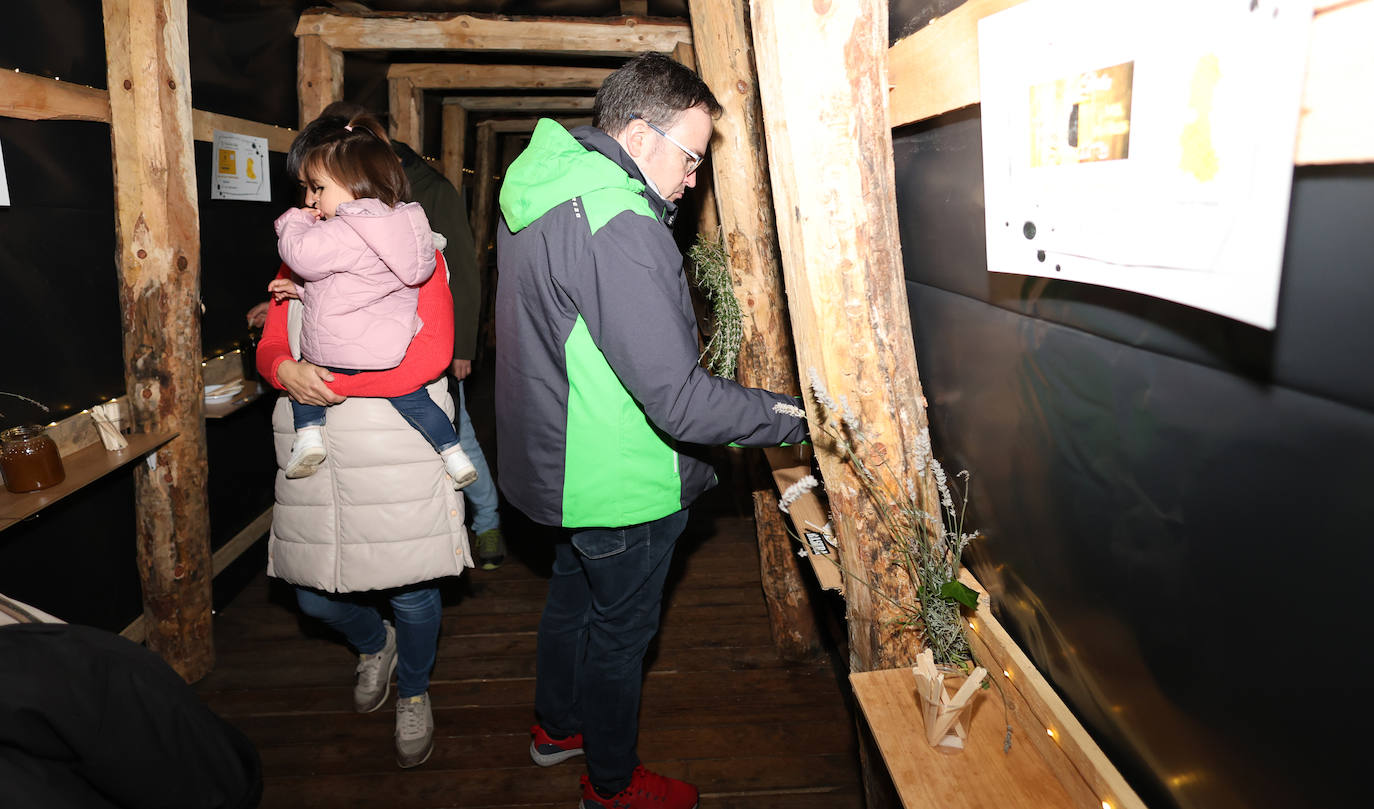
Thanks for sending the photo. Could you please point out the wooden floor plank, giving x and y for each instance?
(719, 707)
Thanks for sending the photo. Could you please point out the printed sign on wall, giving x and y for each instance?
(1146, 146)
(4, 181)
(240, 163)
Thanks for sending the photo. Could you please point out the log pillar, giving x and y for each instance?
(484, 196)
(454, 134)
(823, 81)
(319, 76)
(726, 61)
(407, 114)
(157, 237)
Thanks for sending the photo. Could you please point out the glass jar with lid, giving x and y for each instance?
(29, 459)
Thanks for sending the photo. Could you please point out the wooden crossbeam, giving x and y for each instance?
(36, 98)
(935, 71)
(499, 77)
(467, 32)
(521, 103)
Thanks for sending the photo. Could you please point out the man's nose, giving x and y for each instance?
(690, 181)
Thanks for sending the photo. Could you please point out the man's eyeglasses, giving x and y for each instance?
(693, 159)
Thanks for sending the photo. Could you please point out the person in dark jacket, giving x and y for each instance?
(602, 407)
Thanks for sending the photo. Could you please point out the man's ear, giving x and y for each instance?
(632, 138)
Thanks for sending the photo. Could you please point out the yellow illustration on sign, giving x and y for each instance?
(227, 161)
(1199, 155)
(249, 170)
(1082, 119)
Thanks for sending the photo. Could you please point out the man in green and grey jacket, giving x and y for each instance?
(602, 408)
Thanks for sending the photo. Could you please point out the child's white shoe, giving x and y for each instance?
(307, 453)
(459, 467)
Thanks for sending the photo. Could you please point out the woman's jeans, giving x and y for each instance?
(422, 413)
(417, 611)
(602, 611)
(481, 493)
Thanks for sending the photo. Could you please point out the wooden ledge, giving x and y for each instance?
(980, 777)
(83, 467)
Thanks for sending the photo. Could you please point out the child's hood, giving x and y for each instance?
(399, 236)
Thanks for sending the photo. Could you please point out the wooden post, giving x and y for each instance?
(484, 196)
(746, 220)
(407, 114)
(454, 135)
(319, 76)
(823, 81)
(157, 236)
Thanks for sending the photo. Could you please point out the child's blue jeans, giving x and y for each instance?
(422, 412)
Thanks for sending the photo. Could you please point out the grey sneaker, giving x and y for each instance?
(374, 674)
(414, 730)
(491, 548)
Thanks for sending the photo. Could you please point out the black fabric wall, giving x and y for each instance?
(60, 330)
(1176, 505)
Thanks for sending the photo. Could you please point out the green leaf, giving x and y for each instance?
(958, 591)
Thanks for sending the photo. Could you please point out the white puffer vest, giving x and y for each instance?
(380, 512)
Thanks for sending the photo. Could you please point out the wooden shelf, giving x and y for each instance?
(979, 777)
(251, 391)
(82, 467)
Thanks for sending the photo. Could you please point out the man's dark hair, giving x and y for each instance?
(653, 87)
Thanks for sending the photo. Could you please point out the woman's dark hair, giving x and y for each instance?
(355, 151)
(653, 87)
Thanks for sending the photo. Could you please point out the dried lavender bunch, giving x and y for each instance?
(930, 545)
(711, 265)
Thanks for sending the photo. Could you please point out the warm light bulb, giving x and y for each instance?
(1049, 732)
(1006, 674)
(1106, 805)
(972, 625)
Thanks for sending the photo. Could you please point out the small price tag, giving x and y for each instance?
(816, 541)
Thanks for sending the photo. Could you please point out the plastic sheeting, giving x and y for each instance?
(1171, 498)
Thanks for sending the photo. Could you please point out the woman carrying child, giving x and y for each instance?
(378, 516)
(362, 253)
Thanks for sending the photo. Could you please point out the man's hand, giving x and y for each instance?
(305, 383)
(283, 288)
(461, 369)
(257, 316)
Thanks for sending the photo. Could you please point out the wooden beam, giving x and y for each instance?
(204, 124)
(521, 103)
(157, 237)
(767, 358)
(935, 71)
(319, 76)
(499, 77)
(35, 98)
(822, 77)
(511, 126)
(484, 197)
(407, 113)
(454, 137)
(466, 32)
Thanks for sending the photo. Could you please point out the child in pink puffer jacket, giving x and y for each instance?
(360, 254)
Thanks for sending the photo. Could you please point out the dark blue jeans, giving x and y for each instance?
(602, 611)
(422, 412)
(417, 610)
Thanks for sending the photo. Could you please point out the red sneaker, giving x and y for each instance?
(646, 789)
(547, 751)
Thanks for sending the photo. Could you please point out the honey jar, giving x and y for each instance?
(29, 459)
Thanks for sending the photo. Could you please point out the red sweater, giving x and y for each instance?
(429, 354)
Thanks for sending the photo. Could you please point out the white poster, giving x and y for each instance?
(1145, 145)
(240, 167)
(4, 181)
